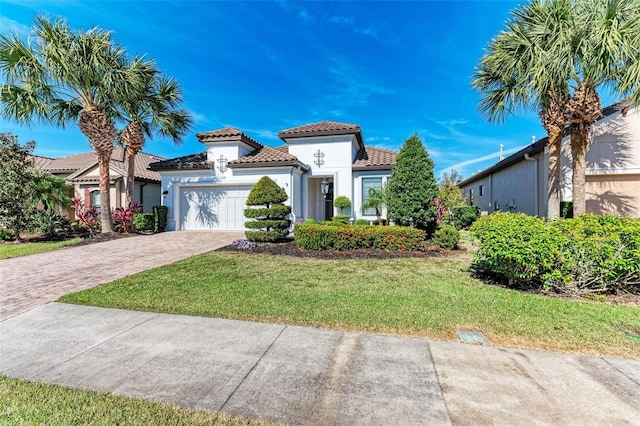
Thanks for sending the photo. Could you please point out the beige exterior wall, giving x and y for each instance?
(614, 194)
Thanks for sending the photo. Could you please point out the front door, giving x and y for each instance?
(328, 203)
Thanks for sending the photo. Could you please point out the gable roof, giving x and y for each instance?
(374, 159)
(269, 157)
(225, 135)
(535, 148)
(322, 128)
(77, 164)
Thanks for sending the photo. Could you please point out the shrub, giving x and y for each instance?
(6, 235)
(447, 237)
(342, 202)
(362, 222)
(577, 256)
(123, 218)
(327, 237)
(309, 221)
(341, 219)
(160, 218)
(143, 221)
(269, 224)
(464, 216)
(50, 224)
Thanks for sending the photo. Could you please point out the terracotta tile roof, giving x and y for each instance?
(40, 162)
(322, 128)
(76, 164)
(227, 134)
(188, 162)
(268, 157)
(374, 159)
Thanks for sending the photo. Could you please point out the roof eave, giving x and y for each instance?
(288, 163)
(297, 135)
(376, 167)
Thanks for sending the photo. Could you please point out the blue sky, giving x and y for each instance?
(394, 68)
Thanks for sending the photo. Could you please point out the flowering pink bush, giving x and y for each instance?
(88, 218)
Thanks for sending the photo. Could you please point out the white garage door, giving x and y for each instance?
(209, 208)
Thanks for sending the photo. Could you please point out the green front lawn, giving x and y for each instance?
(433, 297)
(9, 250)
(28, 403)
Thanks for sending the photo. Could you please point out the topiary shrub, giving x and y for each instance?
(342, 202)
(269, 224)
(309, 221)
(464, 216)
(143, 221)
(341, 219)
(160, 214)
(362, 222)
(328, 237)
(447, 237)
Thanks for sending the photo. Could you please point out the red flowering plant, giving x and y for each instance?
(88, 218)
(123, 218)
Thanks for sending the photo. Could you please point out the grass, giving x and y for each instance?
(27, 403)
(8, 251)
(433, 297)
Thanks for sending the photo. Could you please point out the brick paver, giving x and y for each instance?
(31, 281)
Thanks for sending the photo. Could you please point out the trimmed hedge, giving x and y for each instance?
(160, 218)
(464, 216)
(331, 237)
(585, 254)
(144, 221)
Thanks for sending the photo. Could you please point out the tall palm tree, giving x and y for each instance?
(153, 109)
(605, 54)
(514, 75)
(61, 76)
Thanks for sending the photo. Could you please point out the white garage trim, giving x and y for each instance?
(212, 207)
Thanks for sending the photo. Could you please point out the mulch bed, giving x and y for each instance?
(290, 248)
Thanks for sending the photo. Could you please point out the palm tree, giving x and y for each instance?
(377, 199)
(514, 75)
(60, 76)
(605, 53)
(555, 55)
(151, 110)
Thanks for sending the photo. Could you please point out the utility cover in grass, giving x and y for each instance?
(472, 337)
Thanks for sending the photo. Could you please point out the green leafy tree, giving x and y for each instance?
(267, 211)
(152, 109)
(16, 177)
(413, 188)
(449, 193)
(61, 76)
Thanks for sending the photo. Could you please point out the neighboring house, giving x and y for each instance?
(208, 190)
(82, 172)
(519, 182)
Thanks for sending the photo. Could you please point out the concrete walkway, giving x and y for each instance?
(307, 376)
(31, 281)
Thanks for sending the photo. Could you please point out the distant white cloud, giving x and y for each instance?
(9, 26)
(341, 20)
(304, 15)
(370, 31)
(199, 118)
(462, 165)
(352, 86)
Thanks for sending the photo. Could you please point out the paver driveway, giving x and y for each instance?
(32, 281)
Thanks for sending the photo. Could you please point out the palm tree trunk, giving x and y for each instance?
(130, 183)
(104, 158)
(553, 184)
(133, 138)
(579, 140)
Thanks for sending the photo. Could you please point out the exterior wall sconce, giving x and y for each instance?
(319, 161)
(165, 193)
(222, 163)
(324, 186)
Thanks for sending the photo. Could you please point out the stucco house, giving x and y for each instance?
(82, 172)
(208, 190)
(518, 183)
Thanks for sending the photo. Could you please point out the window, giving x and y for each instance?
(470, 196)
(481, 190)
(95, 200)
(368, 183)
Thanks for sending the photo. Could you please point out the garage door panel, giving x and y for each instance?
(210, 208)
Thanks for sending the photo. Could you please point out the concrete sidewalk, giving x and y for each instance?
(298, 375)
(31, 281)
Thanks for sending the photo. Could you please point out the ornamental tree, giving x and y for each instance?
(413, 188)
(268, 212)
